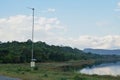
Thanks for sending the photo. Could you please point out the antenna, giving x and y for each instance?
(32, 50)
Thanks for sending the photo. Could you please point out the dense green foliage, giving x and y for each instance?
(19, 52)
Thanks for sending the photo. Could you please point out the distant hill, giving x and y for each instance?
(103, 51)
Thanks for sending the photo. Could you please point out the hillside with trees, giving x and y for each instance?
(20, 52)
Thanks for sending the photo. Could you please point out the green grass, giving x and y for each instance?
(50, 71)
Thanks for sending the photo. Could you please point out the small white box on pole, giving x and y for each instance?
(32, 64)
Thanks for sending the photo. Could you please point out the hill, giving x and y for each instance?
(103, 51)
(19, 52)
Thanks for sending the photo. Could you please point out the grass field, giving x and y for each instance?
(51, 71)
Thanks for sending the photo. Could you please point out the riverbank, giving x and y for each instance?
(51, 71)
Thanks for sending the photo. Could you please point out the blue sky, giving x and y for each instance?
(75, 23)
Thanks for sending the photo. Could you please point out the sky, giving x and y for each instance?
(75, 23)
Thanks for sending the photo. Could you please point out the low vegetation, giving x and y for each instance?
(50, 71)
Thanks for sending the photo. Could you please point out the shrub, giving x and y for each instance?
(77, 77)
(35, 68)
(63, 79)
(45, 75)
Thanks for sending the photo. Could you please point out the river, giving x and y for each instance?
(8, 78)
(103, 69)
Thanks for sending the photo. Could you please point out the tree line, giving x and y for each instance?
(20, 52)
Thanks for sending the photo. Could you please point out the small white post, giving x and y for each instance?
(32, 64)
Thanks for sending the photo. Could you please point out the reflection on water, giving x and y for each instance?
(103, 69)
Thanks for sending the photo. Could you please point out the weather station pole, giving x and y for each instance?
(32, 63)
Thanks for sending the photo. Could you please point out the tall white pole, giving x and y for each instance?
(32, 64)
(32, 56)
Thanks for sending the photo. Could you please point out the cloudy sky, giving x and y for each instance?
(76, 23)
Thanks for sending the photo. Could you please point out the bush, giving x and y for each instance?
(35, 68)
(77, 77)
(45, 75)
(63, 79)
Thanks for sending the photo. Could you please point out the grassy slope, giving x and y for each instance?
(50, 71)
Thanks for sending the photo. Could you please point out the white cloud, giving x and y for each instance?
(102, 23)
(118, 7)
(19, 27)
(118, 4)
(51, 31)
(51, 10)
(86, 41)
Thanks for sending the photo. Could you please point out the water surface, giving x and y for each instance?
(8, 78)
(103, 69)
